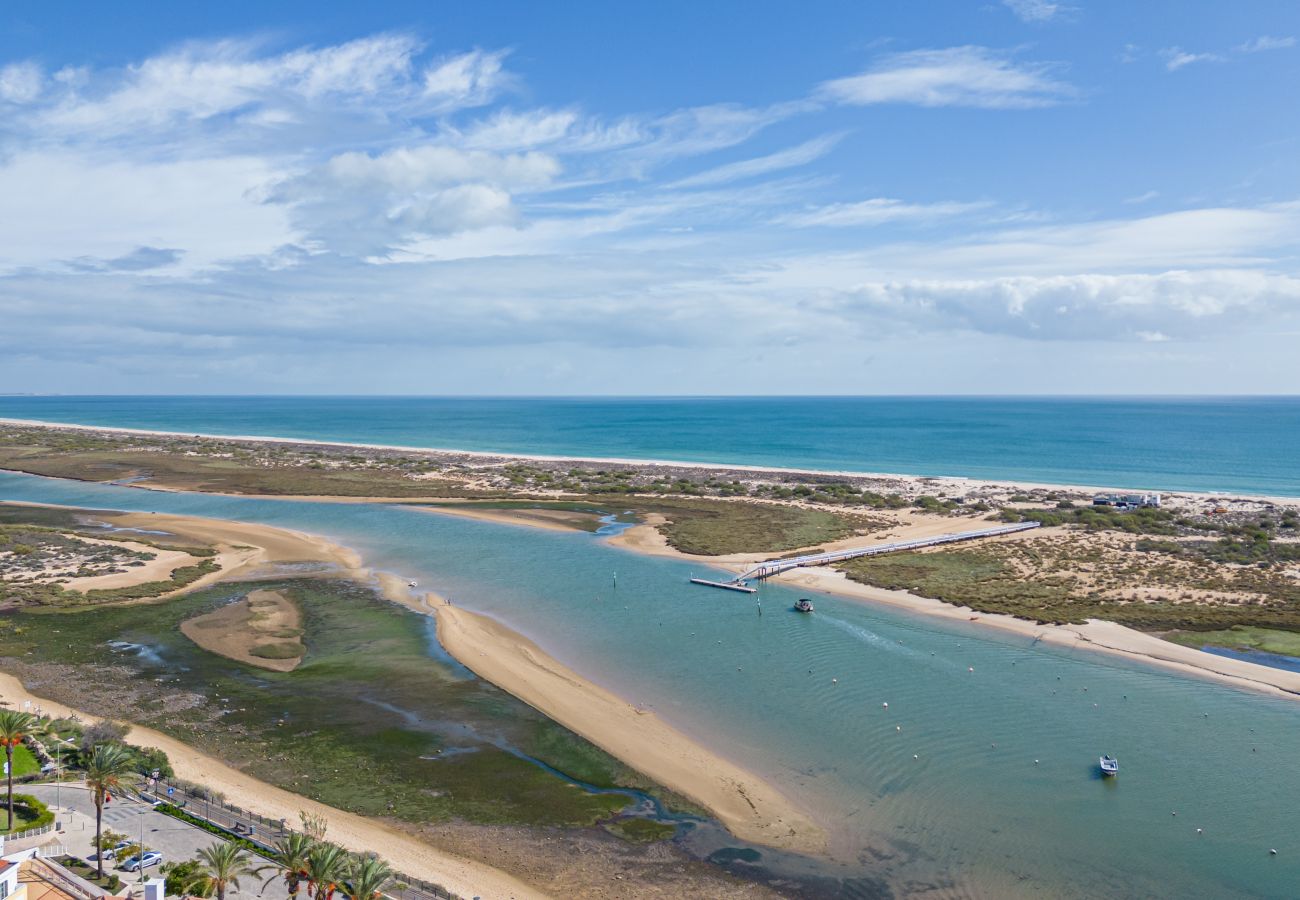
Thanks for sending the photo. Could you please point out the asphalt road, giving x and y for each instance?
(175, 839)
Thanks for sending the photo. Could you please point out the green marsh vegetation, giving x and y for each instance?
(1242, 637)
(369, 722)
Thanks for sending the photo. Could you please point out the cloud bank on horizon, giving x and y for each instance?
(1037, 197)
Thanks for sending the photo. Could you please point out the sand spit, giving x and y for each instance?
(749, 807)
(357, 833)
(531, 518)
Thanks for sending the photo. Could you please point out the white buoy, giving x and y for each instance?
(915, 756)
(835, 681)
(1272, 852)
(885, 705)
(1200, 831)
(970, 668)
(898, 727)
(1035, 762)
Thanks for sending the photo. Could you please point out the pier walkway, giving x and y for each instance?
(772, 567)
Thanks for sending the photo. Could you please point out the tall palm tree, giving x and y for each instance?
(289, 860)
(327, 866)
(106, 766)
(222, 864)
(14, 726)
(367, 878)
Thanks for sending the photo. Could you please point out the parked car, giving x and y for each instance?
(136, 863)
(109, 853)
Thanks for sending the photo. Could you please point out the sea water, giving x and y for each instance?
(1227, 444)
(979, 779)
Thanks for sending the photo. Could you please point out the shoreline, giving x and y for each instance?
(747, 805)
(357, 833)
(656, 463)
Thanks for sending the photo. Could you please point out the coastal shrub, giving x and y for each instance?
(30, 813)
(1099, 518)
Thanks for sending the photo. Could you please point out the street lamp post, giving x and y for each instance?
(58, 770)
(140, 853)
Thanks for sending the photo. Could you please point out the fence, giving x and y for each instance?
(30, 832)
(263, 832)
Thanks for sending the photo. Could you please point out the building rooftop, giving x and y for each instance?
(48, 881)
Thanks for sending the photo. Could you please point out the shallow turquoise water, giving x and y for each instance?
(1241, 444)
(973, 810)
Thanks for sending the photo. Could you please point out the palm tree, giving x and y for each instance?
(289, 859)
(105, 768)
(14, 726)
(326, 866)
(367, 878)
(222, 864)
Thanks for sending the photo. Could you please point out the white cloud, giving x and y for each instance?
(511, 130)
(470, 79)
(68, 205)
(956, 76)
(1160, 307)
(1036, 10)
(1176, 58)
(1266, 42)
(1144, 197)
(20, 82)
(789, 158)
(878, 211)
(204, 82)
(363, 204)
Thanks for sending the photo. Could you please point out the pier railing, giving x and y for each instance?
(772, 567)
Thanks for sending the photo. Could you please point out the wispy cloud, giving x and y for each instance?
(1036, 10)
(1176, 58)
(1266, 42)
(879, 211)
(789, 158)
(956, 76)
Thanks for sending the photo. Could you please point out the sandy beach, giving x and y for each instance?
(357, 833)
(953, 483)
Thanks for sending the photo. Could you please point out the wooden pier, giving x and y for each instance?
(772, 567)
(727, 585)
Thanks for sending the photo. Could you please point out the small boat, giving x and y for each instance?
(411, 583)
(1109, 765)
(803, 604)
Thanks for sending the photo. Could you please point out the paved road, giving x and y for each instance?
(177, 840)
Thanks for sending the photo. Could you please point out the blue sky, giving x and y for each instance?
(892, 197)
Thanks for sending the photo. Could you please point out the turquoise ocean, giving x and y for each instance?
(1233, 444)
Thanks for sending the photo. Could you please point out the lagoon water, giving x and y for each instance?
(1238, 444)
(1002, 799)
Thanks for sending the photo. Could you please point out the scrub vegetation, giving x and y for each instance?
(1201, 573)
